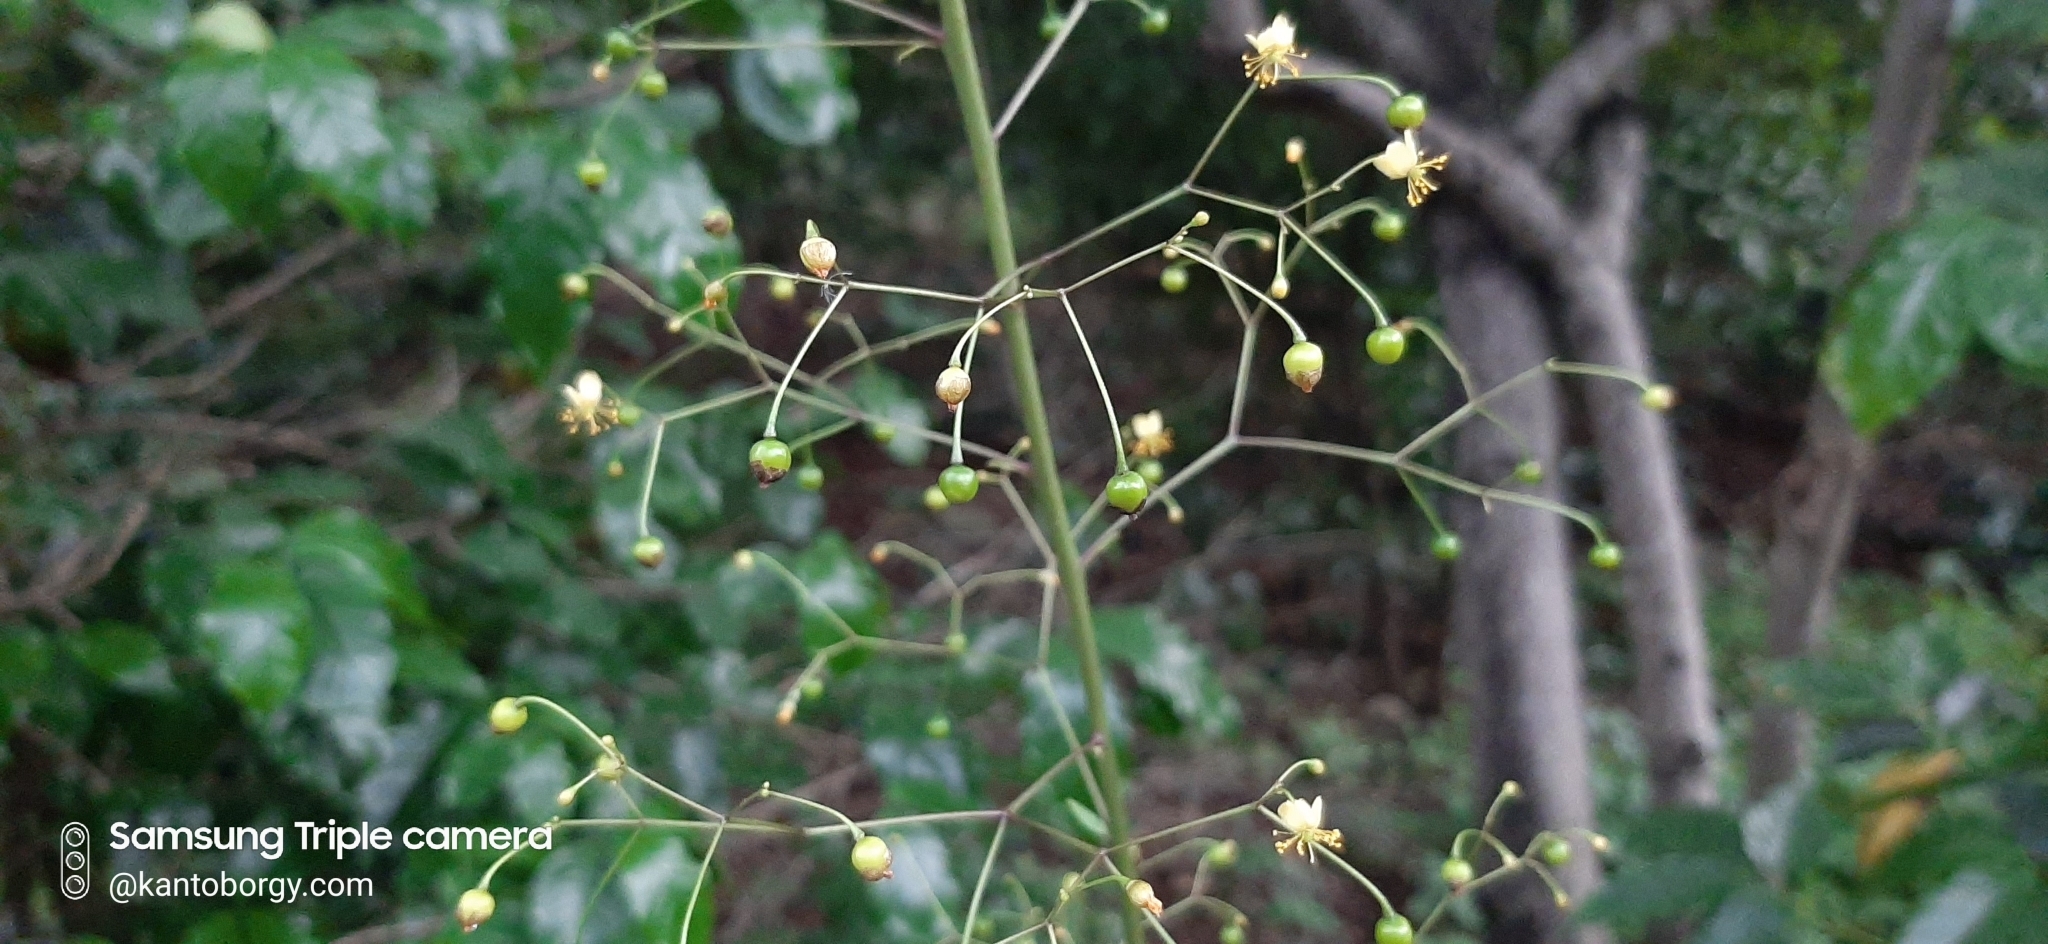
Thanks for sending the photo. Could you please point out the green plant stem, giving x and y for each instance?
(962, 62)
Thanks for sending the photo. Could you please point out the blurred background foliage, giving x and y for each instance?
(283, 505)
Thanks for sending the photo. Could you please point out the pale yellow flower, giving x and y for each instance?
(1404, 159)
(589, 410)
(1272, 50)
(1150, 437)
(1301, 828)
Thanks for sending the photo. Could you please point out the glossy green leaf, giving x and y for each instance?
(327, 113)
(842, 581)
(541, 227)
(151, 24)
(1169, 665)
(126, 657)
(221, 120)
(651, 212)
(1906, 324)
(797, 92)
(24, 661)
(372, 29)
(1647, 891)
(1751, 916)
(1950, 915)
(1086, 820)
(255, 630)
(886, 394)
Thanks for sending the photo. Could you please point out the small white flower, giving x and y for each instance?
(588, 410)
(1272, 50)
(1301, 831)
(1149, 435)
(1404, 159)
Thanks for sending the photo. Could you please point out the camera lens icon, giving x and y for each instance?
(74, 875)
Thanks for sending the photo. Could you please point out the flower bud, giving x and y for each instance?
(1222, 855)
(956, 643)
(474, 908)
(630, 414)
(1315, 767)
(938, 727)
(1456, 872)
(650, 551)
(507, 715)
(1280, 287)
(871, 858)
(1389, 226)
(575, 285)
(1296, 150)
(884, 433)
(878, 554)
(609, 768)
(1200, 219)
(651, 84)
(568, 795)
(615, 469)
(715, 294)
(593, 173)
(785, 713)
(1510, 790)
(1230, 934)
(1156, 22)
(812, 688)
(953, 386)
(1605, 555)
(675, 325)
(818, 255)
(1304, 365)
(601, 70)
(717, 221)
(743, 560)
(1141, 894)
(992, 328)
(1659, 397)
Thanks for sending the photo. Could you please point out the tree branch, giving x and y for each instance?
(1594, 70)
(1389, 36)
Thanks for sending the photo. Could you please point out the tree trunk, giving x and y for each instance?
(1674, 697)
(1819, 494)
(1512, 613)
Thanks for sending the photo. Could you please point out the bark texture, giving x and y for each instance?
(1819, 495)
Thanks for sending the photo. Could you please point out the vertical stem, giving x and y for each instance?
(962, 62)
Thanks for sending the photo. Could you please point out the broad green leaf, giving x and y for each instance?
(1750, 916)
(796, 92)
(372, 29)
(221, 118)
(1907, 324)
(1085, 818)
(2006, 290)
(652, 211)
(541, 227)
(24, 661)
(886, 394)
(843, 582)
(255, 630)
(151, 24)
(1169, 665)
(124, 656)
(86, 298)
(2019, 21)
(1646, 891)
(326, 111)
(473, 30)
(433, 666)
(1950, 916)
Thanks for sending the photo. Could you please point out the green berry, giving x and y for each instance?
(1156, 21)
(575, 285)
(619, 46)
(769, 459)
(507, 716)
(812, 689)
(1659, 397)
(1393, 929)
(1407, 112)
(1385, 345)
(1456, 872)
(959, 484)
(1390, 226)
(649, 551)
(871, 858)
(938, 728)
(935, 499)
(1446, 546)
(1529, 471)
(1174, 279)
(956, 643)
(1304, 365)
(1126, 491)
(782, 288)
(630, 414)
(1222, 855)
(883, 433)
(810, 476)
(233, 26)
(652, 84)
(474, 908)
(1231, 934)
(1152, 470)
(593, 173)
(1554, 851)
(1605, 555)
(1049, 25)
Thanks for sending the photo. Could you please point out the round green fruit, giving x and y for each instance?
(507, 716)
(593, 173)
(871, 858)
(938, 728)
(1390, 227)
(650, 551)
(1174, 279)
(619, 46)
(1529, 471)
(1393, 929)
(1304, 365)
(770, 460)
(1049, 25)
(1605, 555)
(810, 476)
(575, 285)
(935, 499)
(1152, 470)
(1456, 872)
(1385, 345)
(1554, 851)
(959, 484)
(652, 84)
(1126, 491)
(1407, 112)
(1446, 546)
(1156, 21)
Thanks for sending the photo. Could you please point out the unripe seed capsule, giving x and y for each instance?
(1456, 872)
(575, 285)
(1393, 929)
(956, 643)
(615, 469)
(1231, 934)
(935, 499)
(1295, 150)
(1407, 112)
(871, 858)
(1127, 491)
(619, 46)
(715, 294)
(1157, 20)
(818, 255)
(938, 728)
(1222, 855)
(883, 433)
(630, 414)
(1605, 555)
(770, 460)
(507, 716)
(1555, 851)
(1174, 279)
(1390, 226)
(812, 689)
(1152, 470)
(651, 84)
(1446, 546)
(1529, 471)
(1386, 344)
(593, 173)
(782, 288)
(959, 484)
(1304, 365)
(1049, 25)
(810, 477)
(650, 551)
(1659, 397)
